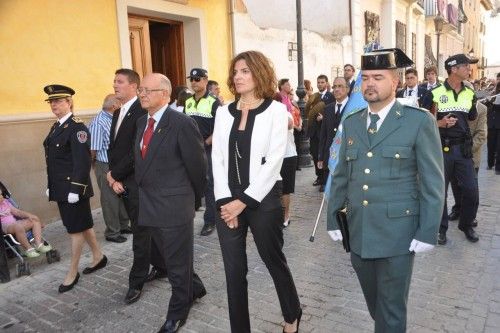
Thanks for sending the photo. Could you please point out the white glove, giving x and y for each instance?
(47, 193)
(73, 198)
(335, 235)
(419, 247)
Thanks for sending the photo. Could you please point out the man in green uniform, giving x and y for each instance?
(390, 177)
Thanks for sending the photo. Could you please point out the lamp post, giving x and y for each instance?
(303, 153)
(438, 27)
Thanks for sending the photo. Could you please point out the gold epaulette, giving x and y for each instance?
(77, 120)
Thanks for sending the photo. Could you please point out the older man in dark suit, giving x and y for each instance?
(170, 171)
(121, 179)
(331, 121)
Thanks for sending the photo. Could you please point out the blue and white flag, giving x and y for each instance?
(355, 103)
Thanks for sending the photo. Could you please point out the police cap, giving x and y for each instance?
(459, 59)
(57, 91)
(385, 59)
(197, 72)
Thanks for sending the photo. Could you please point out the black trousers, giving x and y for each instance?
(176, 247)
(314, 148)
(456, 166)
(145, 253)
(457, 195)
(296, 137)
(4, 268)
(268, 236)
(493, 145)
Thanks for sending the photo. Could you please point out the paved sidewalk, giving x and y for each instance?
(455, 288)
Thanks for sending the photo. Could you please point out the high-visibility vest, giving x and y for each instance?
(445, 99)
(202, 109)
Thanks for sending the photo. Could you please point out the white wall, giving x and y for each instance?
(321, 53)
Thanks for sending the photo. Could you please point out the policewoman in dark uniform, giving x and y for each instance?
(67, 154)
(454, 105)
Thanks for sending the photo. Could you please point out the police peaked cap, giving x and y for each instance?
(57, 91)
(385, 59)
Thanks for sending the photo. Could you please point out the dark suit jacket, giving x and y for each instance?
(120, 151)
(493, 119)
(331, 122)
(314, 126)
(173, 171)
(424, 96)
(351, 86)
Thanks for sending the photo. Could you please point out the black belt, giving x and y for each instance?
(447, 143)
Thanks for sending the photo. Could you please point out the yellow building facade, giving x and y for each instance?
(80, 43)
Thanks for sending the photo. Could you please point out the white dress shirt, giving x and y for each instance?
(123, 111)
(382, 114)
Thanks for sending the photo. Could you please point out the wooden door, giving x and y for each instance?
(140, 45)
(167, 51)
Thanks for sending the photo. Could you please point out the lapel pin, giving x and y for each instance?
(398, 113)
(65, 126)
(159, 130)
(350, 141)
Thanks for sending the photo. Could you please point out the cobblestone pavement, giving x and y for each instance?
(455, 288)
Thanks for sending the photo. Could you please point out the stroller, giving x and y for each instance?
(13, 246)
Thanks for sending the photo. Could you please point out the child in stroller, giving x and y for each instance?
(17, 222)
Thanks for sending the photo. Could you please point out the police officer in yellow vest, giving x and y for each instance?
(454, 104)
(202, 107)
(390, 177)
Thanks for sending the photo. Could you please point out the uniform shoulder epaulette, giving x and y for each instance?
(77, 120)
(354, 112)
(416, 108)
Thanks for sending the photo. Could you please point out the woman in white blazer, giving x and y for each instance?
(248, 147)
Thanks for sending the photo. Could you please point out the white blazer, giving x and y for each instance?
(268, 141)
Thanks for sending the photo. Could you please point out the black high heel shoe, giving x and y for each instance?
(64, 288)
(298, 322)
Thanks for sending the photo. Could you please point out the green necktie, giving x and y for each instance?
(372, 129)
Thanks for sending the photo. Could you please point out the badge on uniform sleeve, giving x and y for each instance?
(82, 136)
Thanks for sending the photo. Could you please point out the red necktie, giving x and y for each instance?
(148, 134)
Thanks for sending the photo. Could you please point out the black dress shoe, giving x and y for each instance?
(471, 235)
(322, 188)
(316, 182)
(155, 274)
(101, 264)
(207, 229)
(126, 231)
(474, 223)
(200, 295)
(442, 238)
(133, 295)
(497, 172)
(454, 216)
(64, 288)
(172, 326)
(117, 239)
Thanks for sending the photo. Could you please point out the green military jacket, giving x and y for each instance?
(394, 187)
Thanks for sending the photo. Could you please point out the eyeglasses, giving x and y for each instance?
(196, 79)
(147, 91)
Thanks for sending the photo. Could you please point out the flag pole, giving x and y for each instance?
(311, 239)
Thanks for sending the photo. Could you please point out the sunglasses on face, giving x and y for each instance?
(196, 79)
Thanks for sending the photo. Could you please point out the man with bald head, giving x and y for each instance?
(170, 170)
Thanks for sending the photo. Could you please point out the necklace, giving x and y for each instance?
(247, 105)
